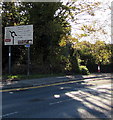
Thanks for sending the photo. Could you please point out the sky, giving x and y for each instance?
(102, 19)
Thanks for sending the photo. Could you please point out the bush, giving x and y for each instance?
(84, 70)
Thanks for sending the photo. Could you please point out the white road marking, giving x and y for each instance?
(11, 92)
(59, 102)
(9, 114)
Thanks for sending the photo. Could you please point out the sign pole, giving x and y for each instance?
(28, 63)
(19, 35)
(9, 59)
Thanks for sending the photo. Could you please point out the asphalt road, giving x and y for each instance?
(69, 100)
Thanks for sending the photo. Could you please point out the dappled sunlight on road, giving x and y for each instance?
(84, 112)
(93, 101)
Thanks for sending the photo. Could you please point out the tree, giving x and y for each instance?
(49, 28)
(101, 52)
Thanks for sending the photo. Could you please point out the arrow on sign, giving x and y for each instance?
(13, 34)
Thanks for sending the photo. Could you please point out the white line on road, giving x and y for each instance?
(59, 102)
(9, 114)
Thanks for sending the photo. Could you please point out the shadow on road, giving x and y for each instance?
(89, 100)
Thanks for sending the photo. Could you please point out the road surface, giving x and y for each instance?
(84, 99)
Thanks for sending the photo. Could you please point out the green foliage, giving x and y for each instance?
(13, 76)
(101, 52)
(91, 55)
(84, 70)
(54, 49)
(111, 48)
(49, 28)
(94, 53)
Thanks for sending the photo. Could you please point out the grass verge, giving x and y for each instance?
(23, 77)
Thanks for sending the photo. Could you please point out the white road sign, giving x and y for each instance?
(19, 35)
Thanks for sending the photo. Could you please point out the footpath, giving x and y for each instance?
(51, 80)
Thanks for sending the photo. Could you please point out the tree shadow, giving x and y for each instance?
(87, 101)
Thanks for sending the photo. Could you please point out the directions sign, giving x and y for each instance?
(19, 35)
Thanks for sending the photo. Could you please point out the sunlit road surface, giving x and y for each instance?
(88, 99)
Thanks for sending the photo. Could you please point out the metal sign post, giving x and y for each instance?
(9, 59)
(28, 58)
